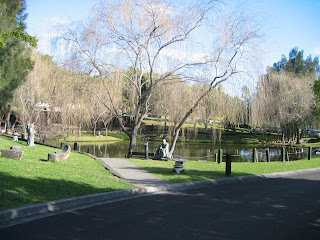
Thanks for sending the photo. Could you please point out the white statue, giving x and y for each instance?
(162, 151)
(15, 136)
(31, 133)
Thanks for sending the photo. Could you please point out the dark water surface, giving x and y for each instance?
(191, 151)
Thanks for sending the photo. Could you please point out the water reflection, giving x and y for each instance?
(192, 151)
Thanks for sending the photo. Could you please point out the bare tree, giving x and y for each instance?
(144, 42)
(173, 99)
(134, 35)
(234, 38)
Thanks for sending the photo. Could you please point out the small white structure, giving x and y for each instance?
(15, 137)
(178, 166)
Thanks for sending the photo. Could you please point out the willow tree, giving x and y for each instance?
(286, 95)
(285, 100)
(171, 100)
(51, 94)
(137, 35)
(157, 40)
(234, 40)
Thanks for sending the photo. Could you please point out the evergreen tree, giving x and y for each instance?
(281, 65)
(297, 65)
(292, 62)
(15, 51)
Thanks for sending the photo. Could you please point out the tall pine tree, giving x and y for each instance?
(15, 52)
(297, 65)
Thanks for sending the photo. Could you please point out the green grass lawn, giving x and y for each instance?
(35, 180)
(308, 142)
(197, 171)
(90, 138)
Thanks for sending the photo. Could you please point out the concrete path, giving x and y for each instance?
(131, 174)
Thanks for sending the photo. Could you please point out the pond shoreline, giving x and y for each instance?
(94, 141)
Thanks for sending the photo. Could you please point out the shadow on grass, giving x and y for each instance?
(20, 191)
(190, 175)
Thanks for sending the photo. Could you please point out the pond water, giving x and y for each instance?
(191, 151)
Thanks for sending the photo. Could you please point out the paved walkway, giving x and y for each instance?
(131, 173)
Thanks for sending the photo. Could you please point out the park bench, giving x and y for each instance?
(62, 155)
(15, 152)
(142, 154)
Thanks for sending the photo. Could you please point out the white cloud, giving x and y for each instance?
(47, 32)
(175, 54)
(181, 55)
(115, 50)
(54, 21)
(317, 51)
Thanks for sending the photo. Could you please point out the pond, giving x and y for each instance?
(191, 151)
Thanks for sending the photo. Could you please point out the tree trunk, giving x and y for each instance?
(94, 129)
(174, 140)
(79, 130)
(191, 110)
(135, 128)
(47, 117)
(14, 124)
(165, 124)
(7, 119)
(24, 127)
(133, 142)
(298, 136)
(106, 126)
(63, 133)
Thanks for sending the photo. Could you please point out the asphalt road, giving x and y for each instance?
(277, 208)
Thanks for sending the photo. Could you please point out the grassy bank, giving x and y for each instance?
(90, 138)
(35, 180)
(197, 171)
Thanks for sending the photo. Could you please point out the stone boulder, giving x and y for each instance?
(15, 152)
(62, 155)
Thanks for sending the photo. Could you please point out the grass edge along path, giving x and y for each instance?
(33, 179)
(198, 171)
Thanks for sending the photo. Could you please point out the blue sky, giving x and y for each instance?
(286, 23)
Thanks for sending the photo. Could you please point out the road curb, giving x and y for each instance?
(22, 214)
(27, 213)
